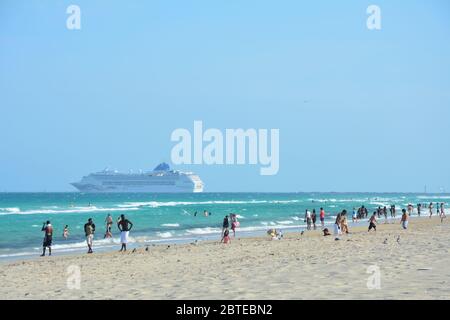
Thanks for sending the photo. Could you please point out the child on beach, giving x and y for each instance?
(404, 220)
(226, 237)
(66, 232)
(373, 222)
(354, 215)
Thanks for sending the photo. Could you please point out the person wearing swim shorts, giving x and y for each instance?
(419, 208)
(124, 226)
(404, 220)
(89, 229)
(48, 235)
(373, 222)
(322, 217)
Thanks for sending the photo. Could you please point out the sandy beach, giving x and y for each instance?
(308, 266)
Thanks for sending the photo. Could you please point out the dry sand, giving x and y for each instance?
(298, 267)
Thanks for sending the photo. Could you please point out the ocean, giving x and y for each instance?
(169, 218)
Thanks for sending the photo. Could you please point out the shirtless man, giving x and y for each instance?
(48, 229)
(419, 207)
(373, 222)
(404, 220)
(89, 229)
(124, 226)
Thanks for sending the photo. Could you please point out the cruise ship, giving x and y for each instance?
(161, 180)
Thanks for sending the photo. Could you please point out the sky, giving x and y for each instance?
(357, 109)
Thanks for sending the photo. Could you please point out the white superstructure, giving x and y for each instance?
(161, 179)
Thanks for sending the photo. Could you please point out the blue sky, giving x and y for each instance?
(358, 110)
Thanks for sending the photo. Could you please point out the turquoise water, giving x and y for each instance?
(165, 218)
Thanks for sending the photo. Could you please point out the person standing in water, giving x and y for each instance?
(66, 232)
(322, 217)
(355, 215)
(225, 225)
(404, 220)
(124, 226)
(109, 222)
(308, 219)
(89, 229)
(48, 235)
(385, 214)
(419, 207)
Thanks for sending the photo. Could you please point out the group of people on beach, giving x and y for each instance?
(341, 223)
(123, 224)
(231, 222)
(227, 221)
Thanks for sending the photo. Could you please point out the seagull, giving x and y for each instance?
(398, 239)
(134, 250)
(385, 241)
(301, 233)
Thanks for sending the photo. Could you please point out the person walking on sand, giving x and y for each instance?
(430, 208)
(404, 220)
(66, 232)
(337, 226)
(419, 207)
(89, 229)
(313, 218)
(225, 225)
(442, 212)
(124, 227)
(322, 217)
(48, 235)
(373, 222)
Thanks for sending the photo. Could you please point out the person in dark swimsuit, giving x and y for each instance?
(47, 243)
